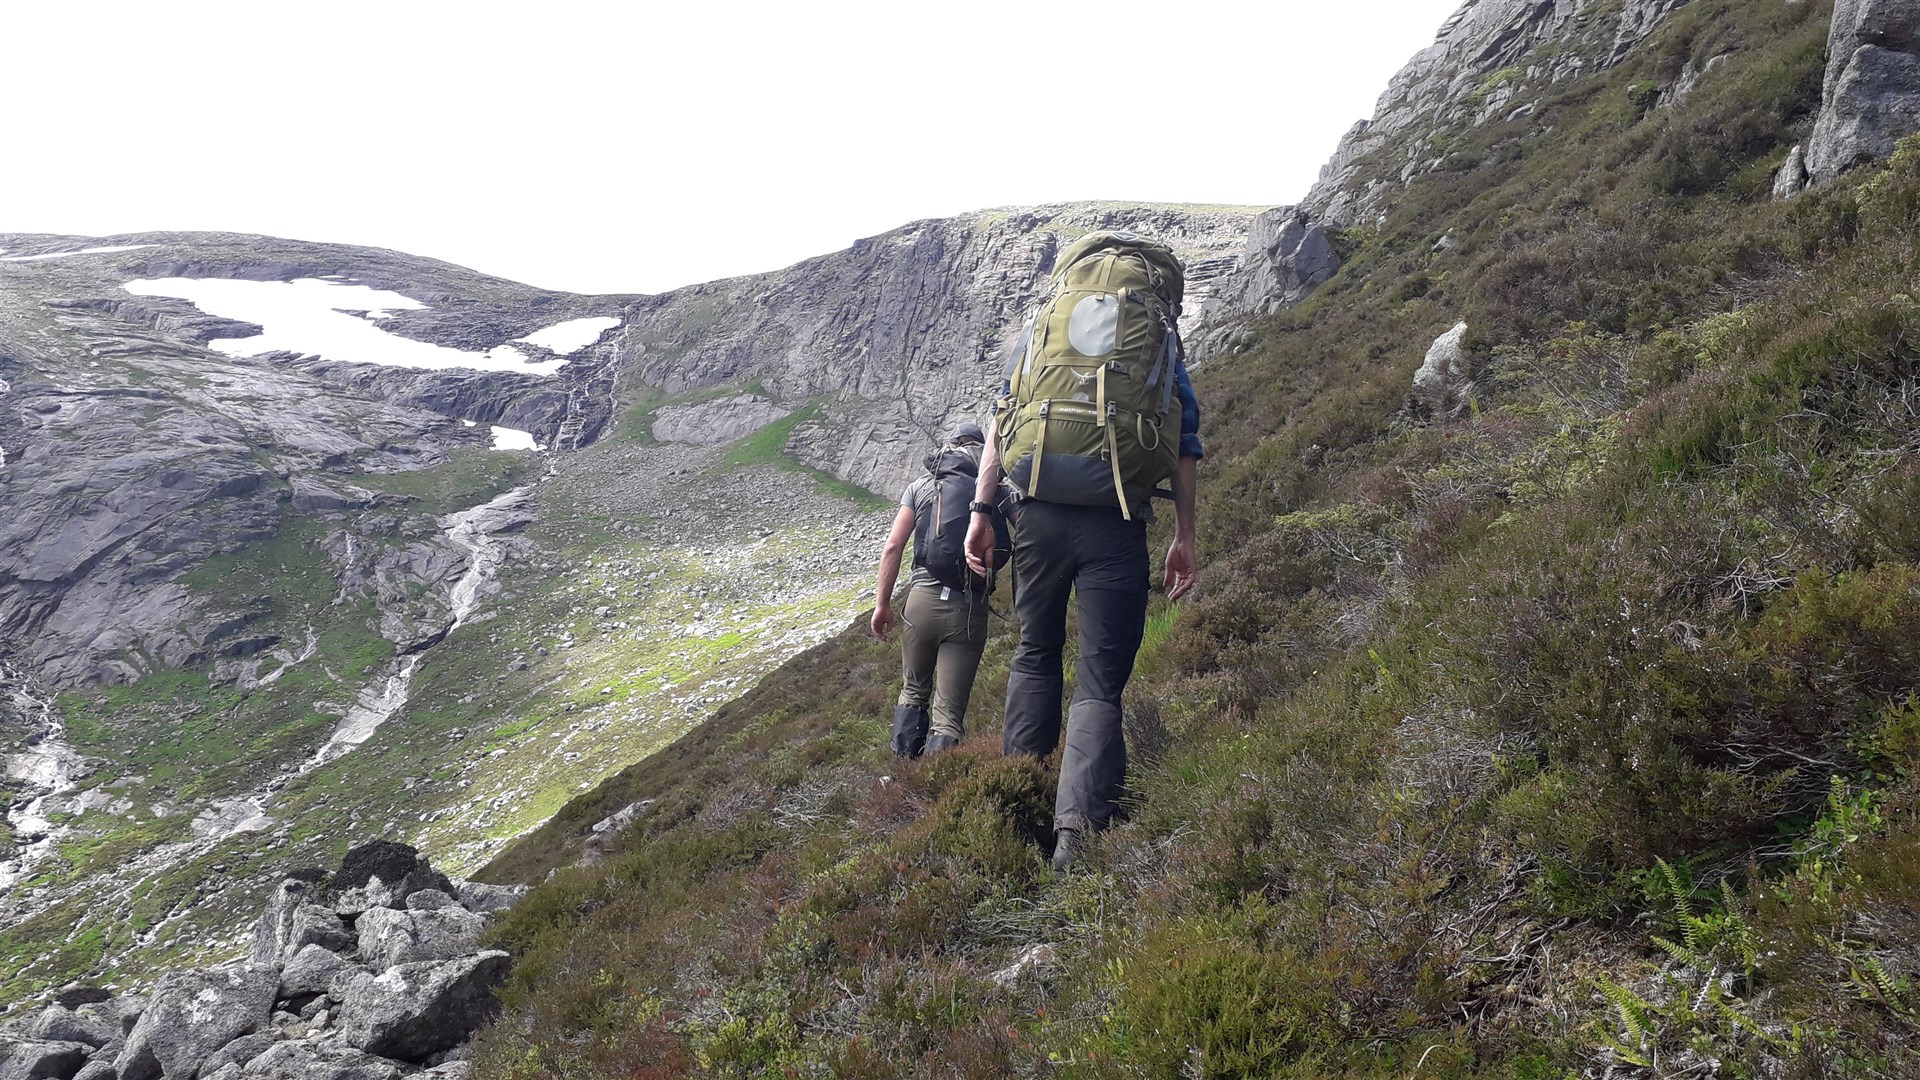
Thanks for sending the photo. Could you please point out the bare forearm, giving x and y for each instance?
(987, 488)
(889, 575)
(1186, 498)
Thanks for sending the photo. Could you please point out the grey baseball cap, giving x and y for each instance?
(967, 432)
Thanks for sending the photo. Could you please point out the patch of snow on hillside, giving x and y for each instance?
(506, 438)
(573, 335)
(310, 316)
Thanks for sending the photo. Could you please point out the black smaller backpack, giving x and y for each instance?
(940, 535)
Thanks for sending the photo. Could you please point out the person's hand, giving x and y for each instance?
(980, 545)
(882, 619)
(1180, 568)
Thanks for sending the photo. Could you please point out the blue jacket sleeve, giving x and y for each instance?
(1189, 413)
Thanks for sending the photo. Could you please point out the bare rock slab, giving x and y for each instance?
(710, 423)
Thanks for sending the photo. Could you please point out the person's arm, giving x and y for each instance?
(1182, 564)
(1181, 570)
(985, 490)
(883, 618)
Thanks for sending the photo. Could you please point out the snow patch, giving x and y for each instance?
(571, 336)
(334, 321)
(506, 438)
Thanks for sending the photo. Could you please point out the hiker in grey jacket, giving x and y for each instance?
(946, 627)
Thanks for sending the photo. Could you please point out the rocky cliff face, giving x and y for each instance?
(133, 453)
(1490, 63)
(900, 336)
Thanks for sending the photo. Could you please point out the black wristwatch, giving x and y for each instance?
(979, 507)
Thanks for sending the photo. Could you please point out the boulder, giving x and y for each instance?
(1443, 373)
(414, 1010)
(429, 900)
(238, 1052)
(23, 1058)
(1791, 180)
(76, 995)
(389, 937)
(56, 1023)
(97, 1069)
(383, 874)
(275, 925)
(192, 1014)
(319, 1061)
(129, 1009)
(1871, 97)
(480, 896)
(311, 970)
(316, 925)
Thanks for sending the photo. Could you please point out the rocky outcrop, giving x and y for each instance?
(902, 335)
(1442, 378)
(412, 1011)
(1489, 64)
(1288, 255)
(1871, 95)
(710, 423)
(399, 1001)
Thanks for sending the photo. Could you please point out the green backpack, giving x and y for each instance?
(1090, 416)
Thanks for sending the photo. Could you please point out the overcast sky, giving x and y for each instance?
(635, 147)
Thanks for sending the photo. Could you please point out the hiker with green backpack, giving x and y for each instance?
(1096, 413)
(946, 609)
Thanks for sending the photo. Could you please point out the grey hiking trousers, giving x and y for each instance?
(1101, 558)
(940, 655)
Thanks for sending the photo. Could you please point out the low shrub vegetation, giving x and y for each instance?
(1573, 731)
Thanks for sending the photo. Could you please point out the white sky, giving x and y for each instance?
(635, 147)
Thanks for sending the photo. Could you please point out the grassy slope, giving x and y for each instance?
(1578, 726)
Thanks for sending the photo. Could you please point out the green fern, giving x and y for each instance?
(1640, 1019)
(1870, 977)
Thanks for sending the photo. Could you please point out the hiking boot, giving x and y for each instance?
(937, 743)
(1068, 846)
